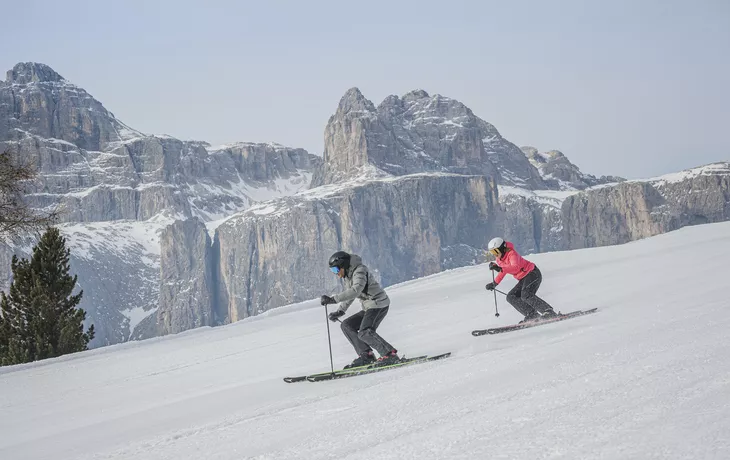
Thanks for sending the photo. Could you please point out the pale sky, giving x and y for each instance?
(634, 88)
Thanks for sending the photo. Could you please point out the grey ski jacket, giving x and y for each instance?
(360, 285)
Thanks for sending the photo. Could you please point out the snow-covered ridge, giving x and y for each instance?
(369, 175)
(552, 198)
(253, 196)
(712, 169)
(273, 145)
(118, 237)
(555, 198)
(129, 166)
(280, 204)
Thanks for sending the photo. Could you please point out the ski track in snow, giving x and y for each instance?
(647, 376)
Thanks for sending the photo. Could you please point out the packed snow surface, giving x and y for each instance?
(648, 376)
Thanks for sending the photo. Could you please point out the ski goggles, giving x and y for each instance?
(335, 270)
(495, 252)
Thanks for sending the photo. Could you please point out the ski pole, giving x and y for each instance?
(496, 310)
(497, 290)
(326, 320)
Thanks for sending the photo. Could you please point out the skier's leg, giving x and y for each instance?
(371, 321)
(529, 290)
(350, 328)
(514, 298)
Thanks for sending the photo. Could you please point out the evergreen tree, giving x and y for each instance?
(38, 316)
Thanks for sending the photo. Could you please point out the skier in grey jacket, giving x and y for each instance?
(360, 327)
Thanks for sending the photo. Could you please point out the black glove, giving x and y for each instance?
(326, 300)
(491, 286)
(495, 267)
(336, 314)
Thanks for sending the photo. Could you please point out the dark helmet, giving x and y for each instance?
(340, 259)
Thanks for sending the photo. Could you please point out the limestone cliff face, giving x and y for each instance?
(414, 225)
(143, 177)
(532, 224)
(260, 163)
(276, 253)
(639, 209)
(187, 283)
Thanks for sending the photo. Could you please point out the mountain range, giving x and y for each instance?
(168, 235)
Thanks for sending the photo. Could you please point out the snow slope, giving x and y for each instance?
(648, 376)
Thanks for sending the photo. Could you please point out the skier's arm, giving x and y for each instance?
(508, 262)
(359, 280)
(499, 277)
(345, 305)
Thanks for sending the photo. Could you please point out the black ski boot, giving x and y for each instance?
(549, 314)
(362, 360)
(534, 316)
(388, 359)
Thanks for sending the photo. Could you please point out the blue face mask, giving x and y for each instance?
(335, 270)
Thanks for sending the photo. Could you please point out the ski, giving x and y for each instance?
(517, 327)
(303, 378)
(368, 369)
(375, 368)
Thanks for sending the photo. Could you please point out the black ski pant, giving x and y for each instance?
(523, 297)
(360, 331)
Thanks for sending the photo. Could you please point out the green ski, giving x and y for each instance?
(371, 368)
(302, 378)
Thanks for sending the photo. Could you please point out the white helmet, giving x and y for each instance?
(496, 246)
(495, 243)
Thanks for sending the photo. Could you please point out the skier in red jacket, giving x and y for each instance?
(528, 276)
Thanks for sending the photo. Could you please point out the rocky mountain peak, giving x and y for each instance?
(554, 154)
(414, 134)
(37, 101)
(556, 169)
(31, 72)
(530, 152)
(391, 103)
(537, 158)
(354, 101)
(415, 95)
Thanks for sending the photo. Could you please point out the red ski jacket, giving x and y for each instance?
(513, 264)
